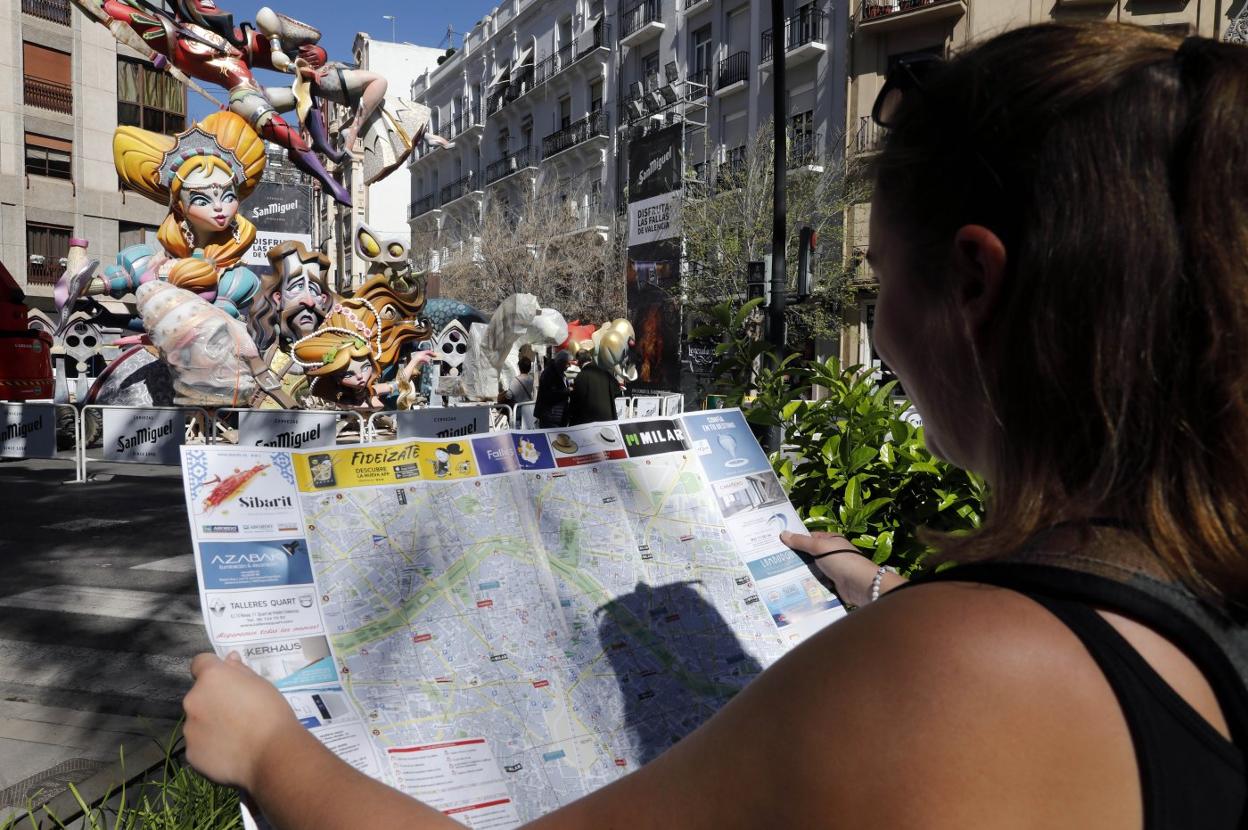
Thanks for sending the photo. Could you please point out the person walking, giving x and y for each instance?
(552, 393)
(593, 393)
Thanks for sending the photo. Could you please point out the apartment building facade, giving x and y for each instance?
(545, 97)
(65, 86)
(885, 31)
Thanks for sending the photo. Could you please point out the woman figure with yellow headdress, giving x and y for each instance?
(202, 174)
(354, 358)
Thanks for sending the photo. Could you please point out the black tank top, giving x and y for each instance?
(1190, 776)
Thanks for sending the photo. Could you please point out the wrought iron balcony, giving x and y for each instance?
(599, 38)
(807, 27)
(47, 95)
(546, 69)
(883, 14)
(869, 136)
(594, 124)
(459, 188)
(521, 83)
(422, 206)
(640, 21)
(57, 11)
(803, 150)
(590, 214)
(508, 164)
(734, 69)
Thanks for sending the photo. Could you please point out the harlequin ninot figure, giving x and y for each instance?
(193, 40)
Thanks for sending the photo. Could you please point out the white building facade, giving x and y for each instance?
(545, 96)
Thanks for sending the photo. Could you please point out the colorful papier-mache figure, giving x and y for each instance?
(199, 40)
(354, 357)
(202, 174)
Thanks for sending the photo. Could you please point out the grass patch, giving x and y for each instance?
(171, 797)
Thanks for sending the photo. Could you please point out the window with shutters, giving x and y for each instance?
(46, 78)
(46, 246)
(149, 99)
(48, 156)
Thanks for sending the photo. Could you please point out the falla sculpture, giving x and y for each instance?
(212, 332)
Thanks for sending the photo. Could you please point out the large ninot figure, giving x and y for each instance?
(203, 53)
(202, 174)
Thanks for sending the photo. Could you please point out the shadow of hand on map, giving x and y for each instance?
(676, 661)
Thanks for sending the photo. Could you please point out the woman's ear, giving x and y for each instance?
(978, 269)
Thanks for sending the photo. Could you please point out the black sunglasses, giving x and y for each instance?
(904, 77)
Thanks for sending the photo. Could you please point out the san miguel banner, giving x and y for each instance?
(654, 198)
(281, 213)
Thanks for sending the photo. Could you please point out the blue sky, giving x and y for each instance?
(423, 22)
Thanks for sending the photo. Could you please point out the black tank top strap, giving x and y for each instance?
(1091, 589)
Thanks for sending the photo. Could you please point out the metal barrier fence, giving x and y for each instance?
(34, 429)
(440, 421)
(289, 428)
(144, 434)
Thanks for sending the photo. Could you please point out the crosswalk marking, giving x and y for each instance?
(174, 564)
(122, 603)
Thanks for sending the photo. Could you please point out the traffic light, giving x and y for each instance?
(806, 239)
(758, 282)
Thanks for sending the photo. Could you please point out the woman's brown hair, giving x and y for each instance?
(1113, 163)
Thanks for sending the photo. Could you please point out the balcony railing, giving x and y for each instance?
(546, 69)
(508, 164)
(733, 69)
(422, 205)
(495, 102)
(599, 39)
(803, 150)
(521, 82)
(730, 173)
(47, 95)
(809, 25)
(45, 273)
(875, 9)
(869, 136)
(585, 216)
(647, 11)
(56, 11)
(461, 186)
(594, 124)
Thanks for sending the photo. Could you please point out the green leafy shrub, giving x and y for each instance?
(854, 465)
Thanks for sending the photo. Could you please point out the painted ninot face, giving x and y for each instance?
(302, 301)
(209, 202)
(357, 374)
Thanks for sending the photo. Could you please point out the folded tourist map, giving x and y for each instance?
(499, 624)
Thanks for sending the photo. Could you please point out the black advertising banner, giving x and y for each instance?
(281, 213)
(643, 438)
(653, 278)
(281, 208)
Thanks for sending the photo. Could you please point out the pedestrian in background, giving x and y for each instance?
(552, 393)
(593, 393)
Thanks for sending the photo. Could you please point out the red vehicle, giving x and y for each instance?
(25, 354)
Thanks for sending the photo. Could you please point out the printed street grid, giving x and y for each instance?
(454, 615)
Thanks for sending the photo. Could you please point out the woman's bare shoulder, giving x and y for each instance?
(941, 705)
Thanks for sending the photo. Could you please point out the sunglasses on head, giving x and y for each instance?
(905, 76)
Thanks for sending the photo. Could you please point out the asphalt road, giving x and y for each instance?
(99, 617)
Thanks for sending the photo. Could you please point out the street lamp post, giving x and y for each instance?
(776, 334)
(392, 19)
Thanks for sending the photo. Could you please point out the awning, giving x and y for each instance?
(502, 77)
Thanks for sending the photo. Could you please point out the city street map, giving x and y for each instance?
(499, 624)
